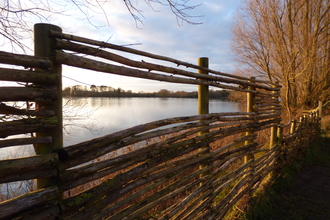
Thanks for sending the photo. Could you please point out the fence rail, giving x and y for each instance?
(194, 167)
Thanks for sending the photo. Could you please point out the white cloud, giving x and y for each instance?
(160, 35)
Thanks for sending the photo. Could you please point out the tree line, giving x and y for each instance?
(287, 41)
(108, 91)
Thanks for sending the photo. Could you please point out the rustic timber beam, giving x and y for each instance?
(98, 52)
(30, 201)
(24, 126)
(25, 60)
(28, 167)
(101, 44)
(9, 110)
(27, 93)
(28, 76)
(24, 141)
(86, 63)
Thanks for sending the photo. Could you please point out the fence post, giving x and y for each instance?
(44, 47)
(320, 109)
(249, 108)
(203, 90)
(293, 126)
(203, 100)
(273, 136)
(273, 131)
(280, 133)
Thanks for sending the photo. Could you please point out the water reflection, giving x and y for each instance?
(87, 118)
(100, 116)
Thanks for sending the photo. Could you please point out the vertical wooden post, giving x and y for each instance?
(44, 47)
(273, 131)
(293, 126)
(280, 133)
(249, 108)
(320, 109)
(273, 136)
(301, 120)
(203, 90)
(203, 100)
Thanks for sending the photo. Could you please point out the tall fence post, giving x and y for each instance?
(273, 130)
(280, 133)
(203, 90)
(44, 47)
(273, 136)
(249, 108)
(301, 120)
(203, 99)
(320, 109)
(293, 126)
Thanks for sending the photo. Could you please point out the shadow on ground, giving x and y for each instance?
(303, 196)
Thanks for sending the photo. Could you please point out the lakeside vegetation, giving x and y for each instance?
(108, 91)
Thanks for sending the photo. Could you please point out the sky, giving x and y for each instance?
(160, 33)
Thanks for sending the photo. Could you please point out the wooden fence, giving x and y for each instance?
(194, 167)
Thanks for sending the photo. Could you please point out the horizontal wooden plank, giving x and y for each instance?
(25, 60)
(45, 78)
(28, 167)
(9, 110)
(91, 64)
(25, 141)
(30, 201)
(30, 174)
(24, 126)
(66, 45)
(49, 213)
(142, 53)
(27, 94)
(75, 151)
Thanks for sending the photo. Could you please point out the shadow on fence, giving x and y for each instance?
(188, 168)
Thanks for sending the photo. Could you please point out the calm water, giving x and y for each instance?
(87, 118)
(101, 116)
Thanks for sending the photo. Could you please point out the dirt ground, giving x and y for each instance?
(307, 194)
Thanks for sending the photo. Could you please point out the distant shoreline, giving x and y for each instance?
(80, 91)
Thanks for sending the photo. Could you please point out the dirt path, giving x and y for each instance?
(308, 195)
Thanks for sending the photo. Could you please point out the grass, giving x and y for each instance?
(283, 198)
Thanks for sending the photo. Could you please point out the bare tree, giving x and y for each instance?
(15, 15)
(287, 41)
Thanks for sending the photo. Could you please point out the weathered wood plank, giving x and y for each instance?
(49, 213)
(28, 167)
(66, 45)
(9, 110)
(86, 63)
(77, 150)
(25, 60)
(30, 201)
(24, 141)
(24, 126)
(27, 94)
(15, 75)
(142, 53)
(31, 174)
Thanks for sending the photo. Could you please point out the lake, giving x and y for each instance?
(95, 117)
(87, 118)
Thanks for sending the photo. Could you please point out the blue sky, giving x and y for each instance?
(159, 34)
